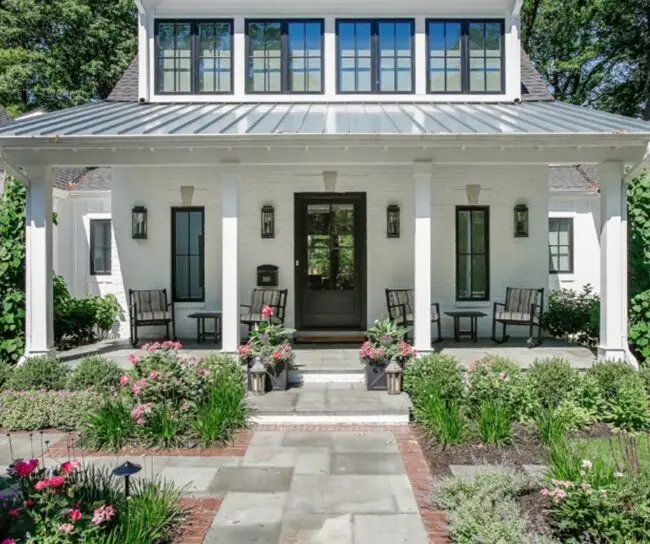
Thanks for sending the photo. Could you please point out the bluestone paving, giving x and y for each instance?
(375, 442)
(251, 509)
(194, 481)
(259, 456)
(367, 463)
(302, 439)
(312, 461)
(317, 529)
(268, 533)
(393, 529)
(251, 480)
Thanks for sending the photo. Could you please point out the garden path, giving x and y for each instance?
(313, 485)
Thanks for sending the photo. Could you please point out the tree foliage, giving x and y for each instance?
(592, 52)
(60, 53)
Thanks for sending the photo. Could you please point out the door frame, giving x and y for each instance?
(299, 251)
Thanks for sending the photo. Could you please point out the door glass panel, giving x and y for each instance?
(330, 247)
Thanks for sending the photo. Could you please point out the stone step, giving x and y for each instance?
(327, 364)
(330, 403)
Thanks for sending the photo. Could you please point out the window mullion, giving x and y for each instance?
(284, 57)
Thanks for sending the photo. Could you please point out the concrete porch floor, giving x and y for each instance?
(343, 358)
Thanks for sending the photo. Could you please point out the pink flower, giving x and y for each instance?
(69, 466)
(56, 482)
(102, 514)
(153, 375)
(138, 387)
(203, 372)
(544, 492)
(66, 528)
(267, 312)
(14, 512)
(21, 468)
(134, 359)
(28, 503)
(8, 541)
(125, 380)
(244, 351)
(139, 412)
(40, 485)
(75, 515)
(169, 345)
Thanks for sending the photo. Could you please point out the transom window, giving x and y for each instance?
(188, 254)
(560, 245)
(465, 56)
(285, 56)
(472, 253)
(194, 57)
(375, 56)
(100, 247)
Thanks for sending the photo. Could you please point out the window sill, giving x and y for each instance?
(189, 305)
(473, 304)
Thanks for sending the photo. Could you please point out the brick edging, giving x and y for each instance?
(201, 513)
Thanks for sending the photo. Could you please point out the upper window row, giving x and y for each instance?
(286, 56)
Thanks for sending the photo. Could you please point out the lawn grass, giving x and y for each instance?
(613, 449)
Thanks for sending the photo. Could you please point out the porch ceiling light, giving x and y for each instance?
(268, 221)
(392, 221)
(139, 223)
(521, 221)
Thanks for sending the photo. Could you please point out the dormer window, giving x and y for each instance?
(285, 56)
(375, 56)
(466, 56)
(194, 57)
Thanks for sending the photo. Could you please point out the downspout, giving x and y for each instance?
(144, 88)
(627, 179)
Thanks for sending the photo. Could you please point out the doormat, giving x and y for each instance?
(346, 339)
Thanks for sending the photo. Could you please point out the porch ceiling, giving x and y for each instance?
(108, 120)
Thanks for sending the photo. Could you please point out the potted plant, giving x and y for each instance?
(386, 341)
(272, 345)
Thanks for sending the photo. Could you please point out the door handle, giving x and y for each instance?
(297, 262)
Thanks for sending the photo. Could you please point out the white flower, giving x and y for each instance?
(618, 474)
(587, 465)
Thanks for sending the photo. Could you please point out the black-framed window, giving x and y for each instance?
(285, 56)
(375, 56)
(194, 56)
(188, 254)
(465, 56)
(560, 245)
(100, 247)
(472, 253)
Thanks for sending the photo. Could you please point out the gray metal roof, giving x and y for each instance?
(533, 86)
(110, 119)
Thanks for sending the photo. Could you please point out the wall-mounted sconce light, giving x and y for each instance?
(521, 221)
(392, 221)
(268, 221)
(139, 223)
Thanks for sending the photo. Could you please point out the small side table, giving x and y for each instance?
(473, 323)
(201, 318)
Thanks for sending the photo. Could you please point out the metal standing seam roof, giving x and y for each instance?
(112, 119)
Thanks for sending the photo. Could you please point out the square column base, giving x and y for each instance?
(43, 354)
(616, 354)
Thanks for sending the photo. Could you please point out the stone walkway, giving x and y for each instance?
(295, 487)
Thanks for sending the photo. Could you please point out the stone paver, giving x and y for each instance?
(251, 480)
(396, 529)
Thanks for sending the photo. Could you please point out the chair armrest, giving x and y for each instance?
(245, 306)
(436, 305)
(496, 304)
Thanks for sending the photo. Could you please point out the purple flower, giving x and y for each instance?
(264, 337)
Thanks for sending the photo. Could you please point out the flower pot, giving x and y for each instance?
(278, 377)
(376, 378)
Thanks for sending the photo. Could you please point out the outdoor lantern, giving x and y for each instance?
(258, 377)
(392, 221)
(521, 221)
(394, 377)
(127, 470)
(139, 219)
(268, 221)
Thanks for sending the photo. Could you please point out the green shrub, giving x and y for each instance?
(628, 411)
(574, 315)
(34, 410)
(497, 379)
(552, 424)
(494, 423)
(435, 372)
(108, 426)
(94, 373)
(644, 374)
(608, 376)
(639, 325)
(38, 373)
(164, 427)
(553, 381)
(485, 509)
(441, 418)
(5, 373)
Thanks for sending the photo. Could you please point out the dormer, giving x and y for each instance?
(329, 51)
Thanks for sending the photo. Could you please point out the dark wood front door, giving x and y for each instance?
(330, 249)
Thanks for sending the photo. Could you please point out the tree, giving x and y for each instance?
(60, 53)
(593, 52)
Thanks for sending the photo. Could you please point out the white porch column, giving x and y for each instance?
(39, 316)
(230, 176)
(613, 263)
(422, 196)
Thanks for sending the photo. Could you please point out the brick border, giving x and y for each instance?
(201, 513)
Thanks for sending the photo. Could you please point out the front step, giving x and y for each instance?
(330, 404)
(330, 364)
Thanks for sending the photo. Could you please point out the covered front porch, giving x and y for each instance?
(214, 172)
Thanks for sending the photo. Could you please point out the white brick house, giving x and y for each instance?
(335, 115)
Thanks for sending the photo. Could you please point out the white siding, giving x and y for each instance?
(516, 262)
(585, 212)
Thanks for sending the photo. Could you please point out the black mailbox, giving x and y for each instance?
(267, 275)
